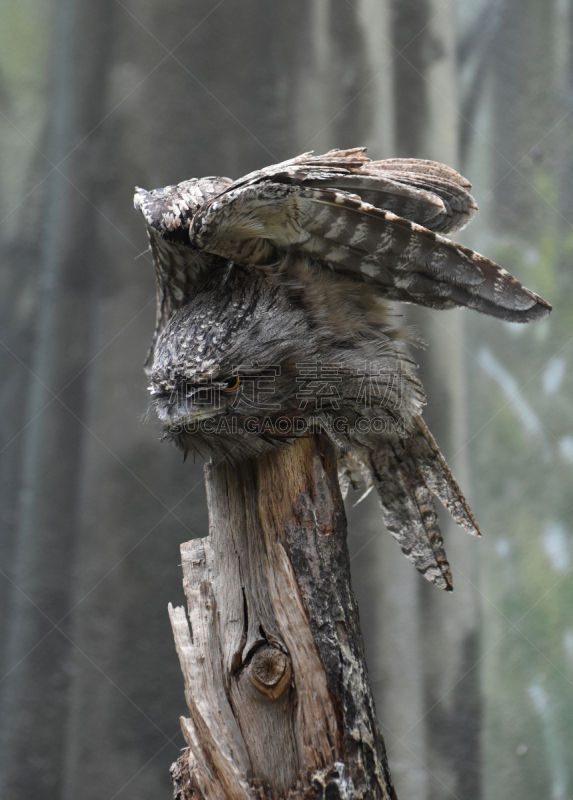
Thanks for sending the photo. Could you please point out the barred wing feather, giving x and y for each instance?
(262, 222)
(379, 222)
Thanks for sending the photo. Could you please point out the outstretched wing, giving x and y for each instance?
(375, 221)
(424, 192)
(168, 213)
(407, 473)
(324, 207)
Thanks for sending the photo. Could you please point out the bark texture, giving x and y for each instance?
(272, 655)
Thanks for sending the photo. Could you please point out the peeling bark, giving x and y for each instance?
(275, 678)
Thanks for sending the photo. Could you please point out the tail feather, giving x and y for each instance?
(439, 479)
(406, 473)
(409, 512)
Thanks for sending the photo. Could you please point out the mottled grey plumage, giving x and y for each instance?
(273, 318)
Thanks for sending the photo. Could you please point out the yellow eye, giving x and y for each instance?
(232, 384)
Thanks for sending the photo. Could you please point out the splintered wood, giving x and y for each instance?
(275, 678)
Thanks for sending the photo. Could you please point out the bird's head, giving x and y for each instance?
(231, 352)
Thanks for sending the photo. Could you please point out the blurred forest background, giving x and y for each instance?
(474, 690)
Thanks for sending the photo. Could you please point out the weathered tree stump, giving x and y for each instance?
(275, 677)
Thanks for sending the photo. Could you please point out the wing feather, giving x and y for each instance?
(168, 213)
(260, 223)
(425, 192)
(379, 222)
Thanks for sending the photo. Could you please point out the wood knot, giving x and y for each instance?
(270, 671)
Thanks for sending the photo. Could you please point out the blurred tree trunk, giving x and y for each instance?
(450, 624)
(531, 215)
(524, 106)
(423, 645)
(38, 656)
(223, 104)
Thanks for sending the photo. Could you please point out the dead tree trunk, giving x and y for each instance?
(275, 678)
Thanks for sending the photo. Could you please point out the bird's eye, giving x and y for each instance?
(232, 384)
